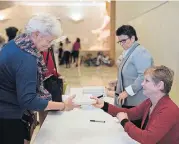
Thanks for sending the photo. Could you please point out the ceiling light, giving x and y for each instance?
(76, 17)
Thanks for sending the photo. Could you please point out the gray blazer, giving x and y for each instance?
(131, 72)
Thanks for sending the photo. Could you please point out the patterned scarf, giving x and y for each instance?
(25, 43)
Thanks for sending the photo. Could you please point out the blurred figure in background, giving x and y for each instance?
(11, 32)
(75, 51)
(67, 52)
(60, 52)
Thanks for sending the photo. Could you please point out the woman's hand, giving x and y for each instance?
(122, 115)
(99, 103)
(69, 104)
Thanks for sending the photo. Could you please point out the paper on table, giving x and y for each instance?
(94, 90)
(84, 100)
(81, 99)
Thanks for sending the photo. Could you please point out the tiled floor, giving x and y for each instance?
(85, 76)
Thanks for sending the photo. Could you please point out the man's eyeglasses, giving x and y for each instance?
(123, 41)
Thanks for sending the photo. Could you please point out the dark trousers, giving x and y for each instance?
(11, 131)
(136, 122)
(67, 55)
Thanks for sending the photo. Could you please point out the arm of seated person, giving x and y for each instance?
(134, 113)
(162, 123)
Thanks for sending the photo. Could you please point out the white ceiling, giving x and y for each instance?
(7, 4)
(92, 18)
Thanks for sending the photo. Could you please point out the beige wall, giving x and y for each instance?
(93, 18)
(157, 26)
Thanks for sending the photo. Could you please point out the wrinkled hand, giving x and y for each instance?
(122, 115)
(122, 97)
(99, 103)
(69, 104)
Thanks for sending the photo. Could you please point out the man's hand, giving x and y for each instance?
(122, 115)
(122, 97)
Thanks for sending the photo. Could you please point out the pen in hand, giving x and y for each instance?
(97, 121)
(100, 96)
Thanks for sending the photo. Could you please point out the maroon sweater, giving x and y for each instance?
(162, 126)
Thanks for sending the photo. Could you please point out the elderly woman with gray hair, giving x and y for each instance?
(21, 77)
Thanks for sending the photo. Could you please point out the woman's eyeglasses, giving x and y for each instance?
(123, 41)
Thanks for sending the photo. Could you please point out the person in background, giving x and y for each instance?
(11, 32)
(159, 114)
(136, 59)
(67, 52)
(98, 58)
(21, 77)
(75, 51)
(60, 52)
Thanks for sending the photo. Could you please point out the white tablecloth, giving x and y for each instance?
(74, 127)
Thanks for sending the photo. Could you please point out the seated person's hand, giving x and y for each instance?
(69, 104)
(99, 102)
(122, 115)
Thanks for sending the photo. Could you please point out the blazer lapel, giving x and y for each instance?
(145, 115)
(124, 61)
(155, 110)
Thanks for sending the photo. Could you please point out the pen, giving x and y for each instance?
(100, 96)
(97, 121)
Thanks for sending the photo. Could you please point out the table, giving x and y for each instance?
(74, 127)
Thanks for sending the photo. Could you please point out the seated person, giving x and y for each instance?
(88, 60)
(160, 115)
(99, 58)
(106, 59)
(103, 58)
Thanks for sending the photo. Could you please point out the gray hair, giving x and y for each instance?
(45, 24)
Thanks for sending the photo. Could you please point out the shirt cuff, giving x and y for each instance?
(130, 91)
(124, 121)
(105, 107)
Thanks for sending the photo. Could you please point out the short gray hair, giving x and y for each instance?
(161, 73)
(45, 24)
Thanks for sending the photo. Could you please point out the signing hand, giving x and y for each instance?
(122, 115)
(99, 103)
(122, 97)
